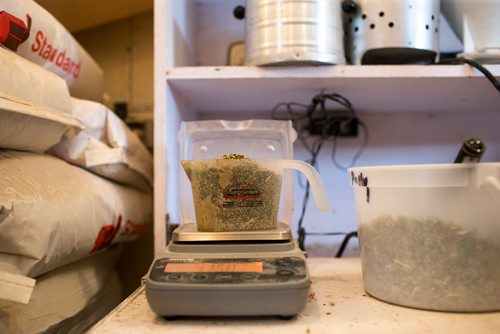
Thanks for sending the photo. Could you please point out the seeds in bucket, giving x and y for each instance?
(430, 264)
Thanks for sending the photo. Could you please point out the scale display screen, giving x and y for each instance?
(210, 267)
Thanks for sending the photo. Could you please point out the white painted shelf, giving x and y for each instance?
(382, 88)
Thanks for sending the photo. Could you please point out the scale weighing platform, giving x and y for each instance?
(251, 273)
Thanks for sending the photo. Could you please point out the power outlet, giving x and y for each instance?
(342, 126)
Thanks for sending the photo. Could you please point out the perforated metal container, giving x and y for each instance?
(392, 31)
(280, 32)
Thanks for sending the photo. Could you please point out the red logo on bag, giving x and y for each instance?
(106, 235)
(132, 229)
(43, 48)
(13, 31)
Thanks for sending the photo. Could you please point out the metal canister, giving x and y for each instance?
(392, 31)
(284, 32)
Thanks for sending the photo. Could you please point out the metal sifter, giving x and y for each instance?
(391, 31)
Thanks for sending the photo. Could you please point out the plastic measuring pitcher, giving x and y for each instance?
(243, 194)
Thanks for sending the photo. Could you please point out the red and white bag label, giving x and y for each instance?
(69, 63)
(13, 30)
(32, 32)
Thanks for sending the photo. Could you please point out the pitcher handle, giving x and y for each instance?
(314, 179)
(492, 185)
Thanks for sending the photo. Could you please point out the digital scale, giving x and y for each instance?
(236, 273)
(257, 273)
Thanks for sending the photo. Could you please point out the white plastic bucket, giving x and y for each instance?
(430, 234)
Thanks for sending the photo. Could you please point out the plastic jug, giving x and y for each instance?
(243, 194)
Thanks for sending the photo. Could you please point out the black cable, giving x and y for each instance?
(344, 243)
(462, 60)
(326, 233)
(485, 71)
(358, 153)
(289, 105)
(315, 113)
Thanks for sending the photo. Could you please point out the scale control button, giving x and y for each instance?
(248, 276)
(285, 273)
(174, 277)
(283, 262)
(224, 277)
(199, 277)
(159, 265)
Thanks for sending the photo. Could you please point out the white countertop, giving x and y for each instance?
(337, 304)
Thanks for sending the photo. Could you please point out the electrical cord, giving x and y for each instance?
(313, 114)
(463, 60)
(344, 243)
(358, 153)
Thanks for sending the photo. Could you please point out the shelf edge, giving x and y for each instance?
(333, 71)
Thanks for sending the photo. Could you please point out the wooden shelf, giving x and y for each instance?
(381, 88)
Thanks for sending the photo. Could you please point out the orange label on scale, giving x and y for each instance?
(210, 267)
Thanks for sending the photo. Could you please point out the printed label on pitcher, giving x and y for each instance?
(242, 196)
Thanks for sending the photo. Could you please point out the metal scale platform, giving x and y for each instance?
(189, 233)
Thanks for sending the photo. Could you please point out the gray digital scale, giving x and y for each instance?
(238, 273)
(250, 273)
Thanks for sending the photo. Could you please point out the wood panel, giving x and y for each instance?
(78, 15)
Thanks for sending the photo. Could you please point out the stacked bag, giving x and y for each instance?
(34, 34)
(74, 179)
(106, 146)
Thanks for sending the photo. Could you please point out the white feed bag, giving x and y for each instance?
(35, 106)
(106, 146)
(32, 32)
(53, 213)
